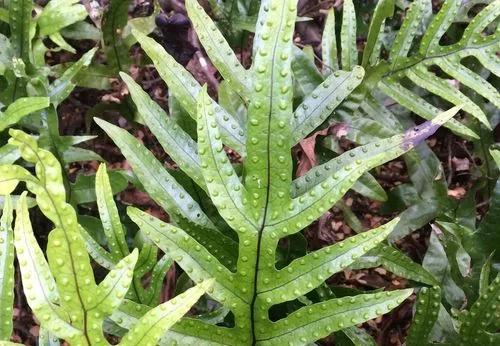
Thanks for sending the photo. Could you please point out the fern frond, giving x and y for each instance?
(6, 270)
(62, 291)
(329, 45)
(113, 229)
(38, 281)
(349, 49)
(151, 327)
(188, 331)
(20, 22)
(217, 48)
(262, 204)
(21, 108)
(483, 313)
(316, 107)
(172, 138)
(426, 314)
(383, 10)
(417, 67)
(62, 87)
(170, 195)
(186, 89)
(396, 262)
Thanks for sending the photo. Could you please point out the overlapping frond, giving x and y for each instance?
(262, 204)
(433, 65)
(61, 290)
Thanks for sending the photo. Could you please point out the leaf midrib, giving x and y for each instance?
(288, 331)
(268, 185)
(226, 188)
(426, 58)
(325, 261)
(46, 297)
(291, 216)
(72, 263)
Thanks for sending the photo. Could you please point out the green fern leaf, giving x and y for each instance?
(188, 331)
(110, 218)
(118, 247)
(60, 89)
(38, 282)
(115, 285)
(147, 259)
(170, 195)
(333, 315)
(349, 50)
(315, 108)
(172, 138)
(113, 22)
(199, 263)
(161, 186)
(186, 89)
(305, 73)
(152, 295)
(483, 313)
(217, 48)
(20, 23)
(426, 314)
(262, 204)
(383, 10)
(96, 251)
(226, 188)
(386, 149)
(416, 67)
(329, 45)
(62, 291)
(396, 262)
(21, 108)
(11, 176)
(58, 14)
(419, 65)
(152, 325)
(6, 270)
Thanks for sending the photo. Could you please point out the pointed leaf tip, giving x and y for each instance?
(126, 78)
(418, 134)
(137, 34)
(112, 290)
(157, 321)
(99, 121)
(134, 255)
(91, 52)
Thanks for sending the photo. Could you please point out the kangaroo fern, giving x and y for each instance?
(416, 67)
(61, 290)
(476, 326)
(417, 70)
(264, 204)
(6, 271)
(426, 314)
(118, 248)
